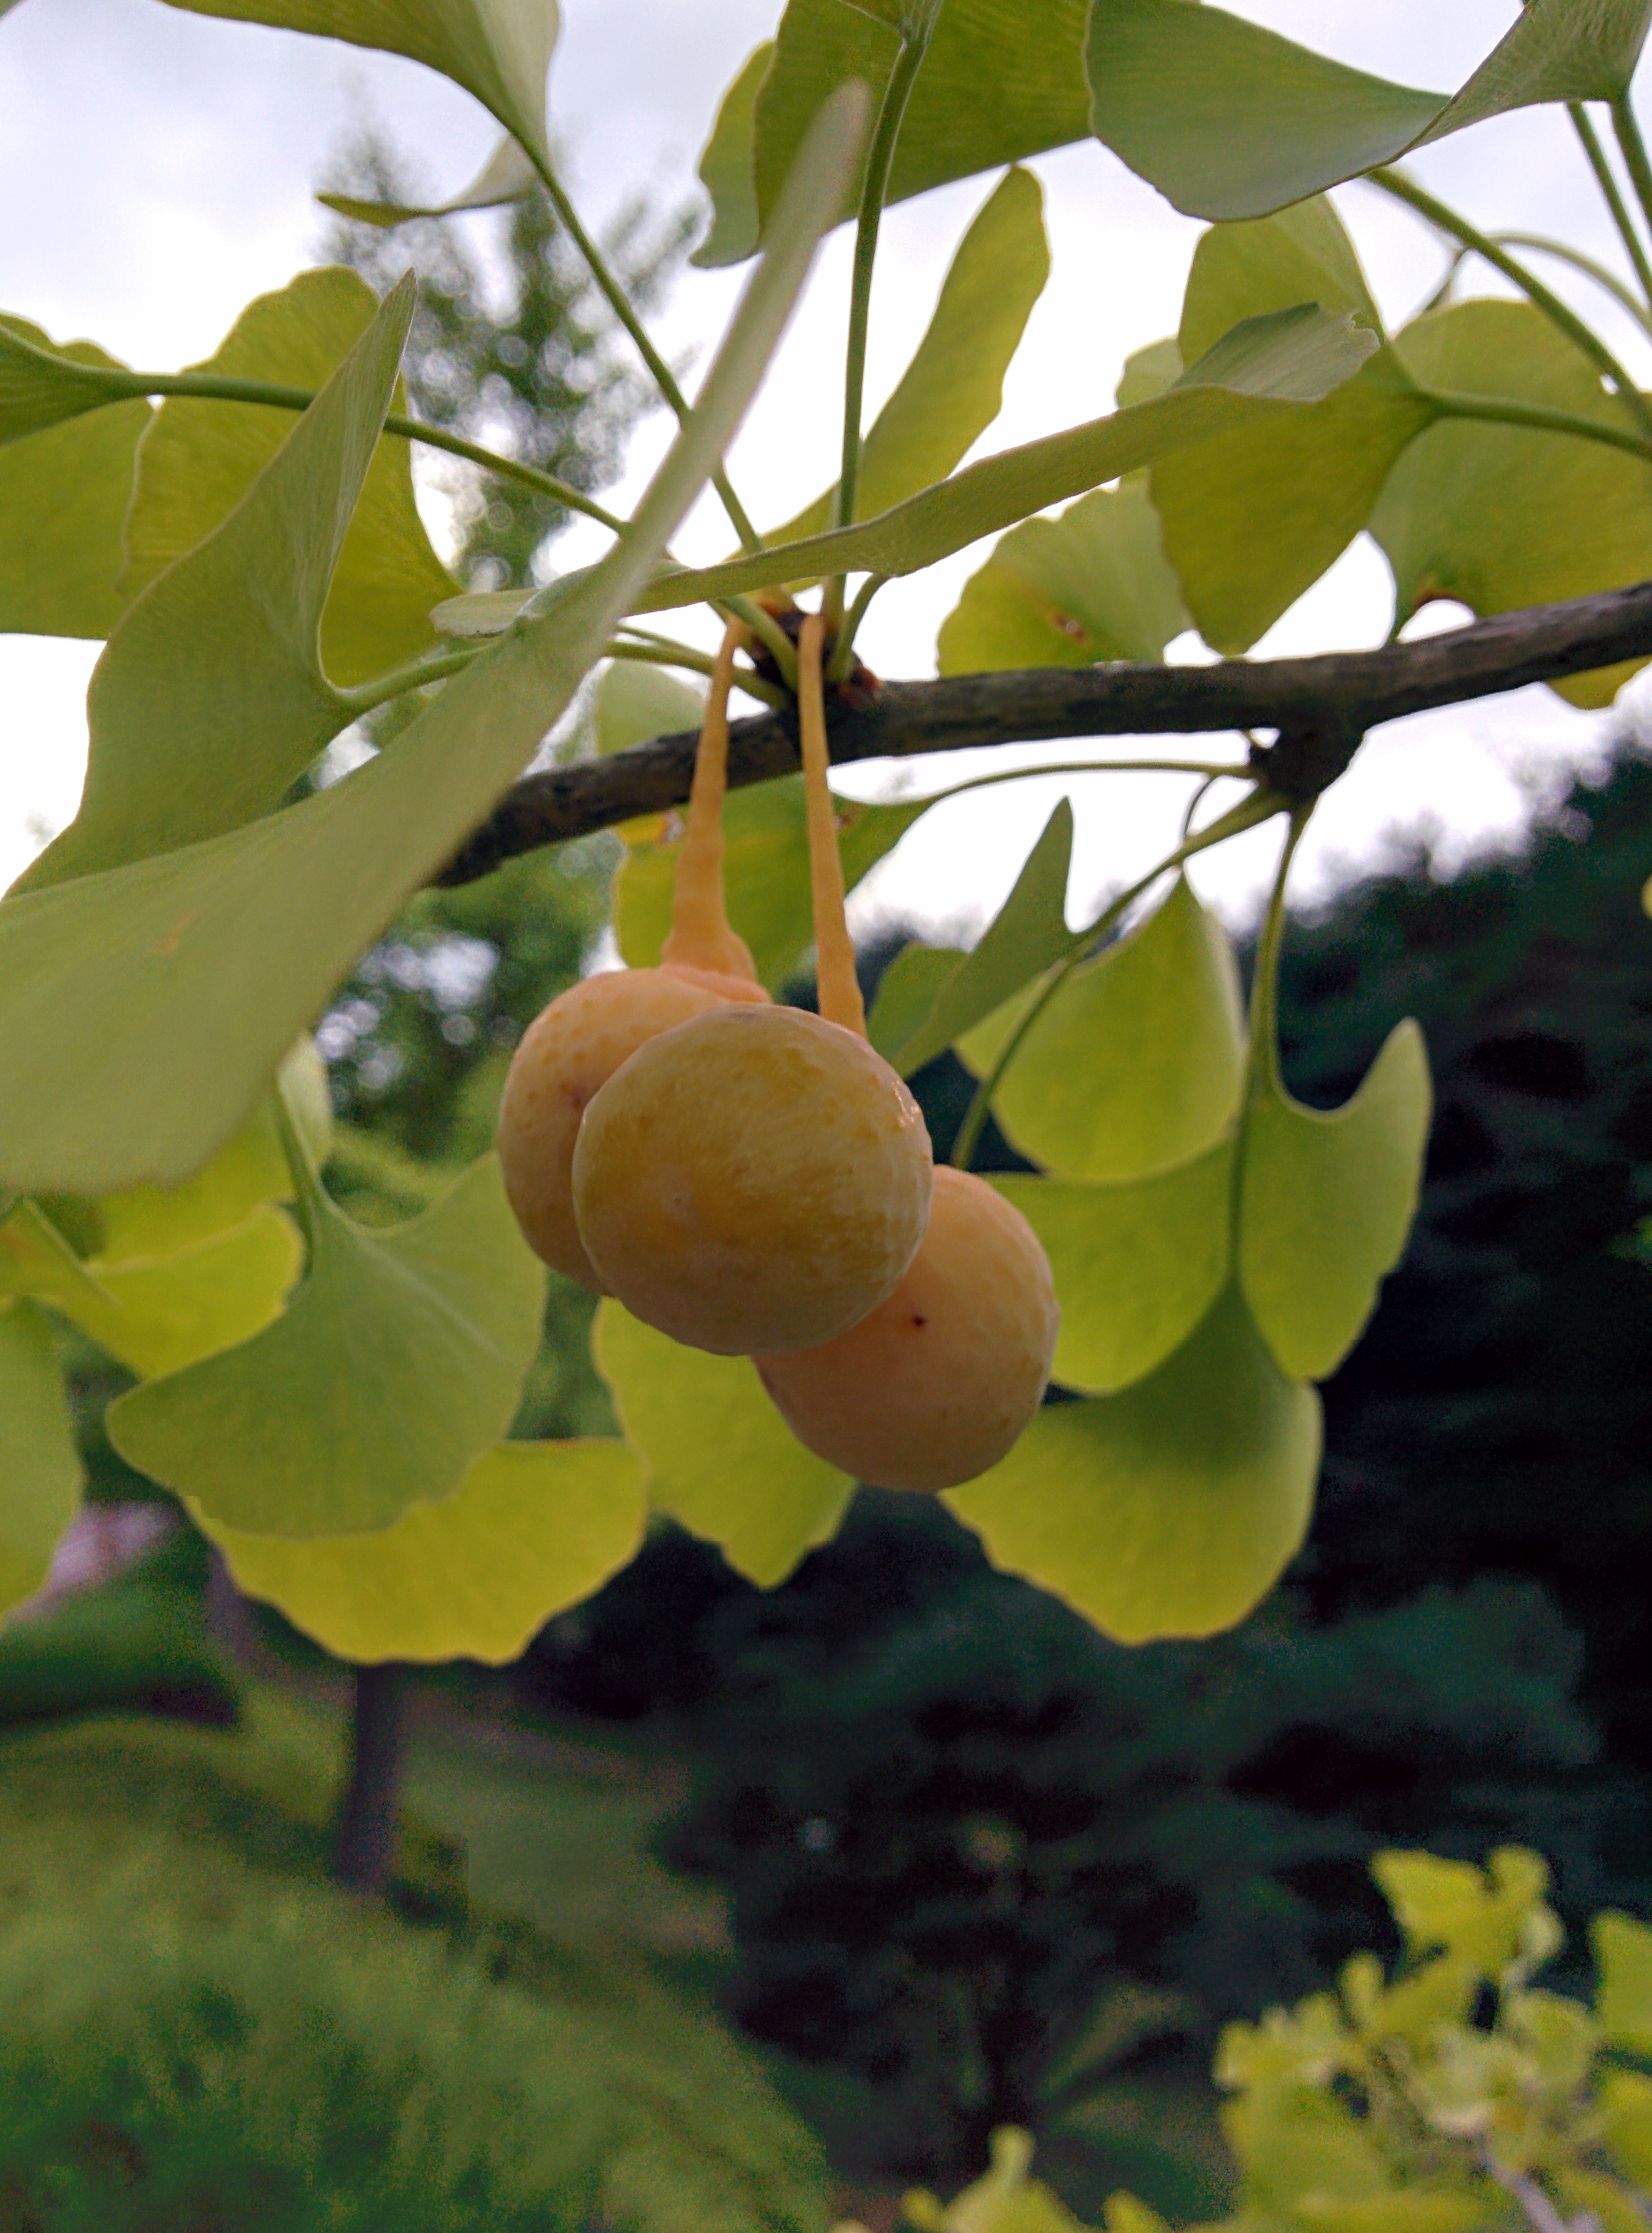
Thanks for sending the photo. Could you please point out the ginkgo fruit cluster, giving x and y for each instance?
(757, 1180)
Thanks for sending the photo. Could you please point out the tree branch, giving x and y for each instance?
(1320, 710)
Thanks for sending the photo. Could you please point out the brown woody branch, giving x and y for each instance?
(1319, 710)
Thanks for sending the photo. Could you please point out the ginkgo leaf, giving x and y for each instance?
(399, 1361)
(765, 871)
(159, 1314)
(717, 1454)
(63, 495)
(532, 1528)
(1326, 1201)
(1137, 1262)
(1231, 120)
(1029, 932)
(1092, 584)
(726, 168)
(636, 702)
(210, 698)
(200, 458)
(906, 992)
(1623, 2004)
(1135, 1062)
(1254, 518)
(249, 1170)
(35, 1259)
(1501, 516)
(1170, 1509)
(1266, 367)
(1001, 80)
(40, 1467)
(42, 386)
(954, 388)
(1484, 1917)
(144, 1009)
(507, 176)
(499, 50)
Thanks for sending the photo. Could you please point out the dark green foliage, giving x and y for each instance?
(195, 2032)
(1498, 1417)
(139, 1641)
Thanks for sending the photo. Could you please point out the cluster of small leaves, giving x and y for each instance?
(1456, 2097)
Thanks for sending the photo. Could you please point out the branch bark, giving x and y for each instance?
(1320, 710)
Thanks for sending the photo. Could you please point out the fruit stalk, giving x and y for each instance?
(840, 988)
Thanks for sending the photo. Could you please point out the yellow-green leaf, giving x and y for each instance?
(532, 1528)
(1137, 1262)
(1231, 120)
(1135, 1063)
(499, 50)
(1626, 2105)
(726, 168)
(1326, 1201)
(399, 1360)
(159, 1314)
(906, 992)
(954, 388)
(144, 1009)
(42, 386)
(716, 1453)
(1501, 516)
(1026, 935)
(1254, 518)
(200, 458)
(766, 872)
(507, 176)
(636, 702)
(1623, 2003)
(63, 495)
(210, 698)
(1170, 1509)
(35, 1259)
(40, 1468)
(1092, 584)
(1490, 1916)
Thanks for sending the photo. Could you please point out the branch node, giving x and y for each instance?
(1307, 756)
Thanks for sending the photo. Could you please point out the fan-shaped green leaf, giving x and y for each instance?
(1486, 1917)
(499, 50)
(399, 1361)
(1266, 367)
(159, 1314)
(1003, 79)
(507, 176)
(765, 871)
(200, 458)
(1137, 1060)
(1026, 935)
(1092, 584)
(42, 386)
(1623, 2003)
(211, 700)
(726, 168)
(1252, 519)
(1231, 120)
(1326, 1200)
(144, 1009)
(907, 992)
(1137, 1262)
(37, 1259)
(1170, 1509)
(954, 388)
(40, 1468)
(63, 495)
(636, 702)
(716, 1453)
(244, 1174)
(532, 1528)
(1501, 516)
(1625, 2099)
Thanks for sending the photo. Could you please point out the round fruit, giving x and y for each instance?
(572, 1048)
(936, 1384)
(757, 1179)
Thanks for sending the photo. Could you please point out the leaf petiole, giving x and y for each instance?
(1583, 124)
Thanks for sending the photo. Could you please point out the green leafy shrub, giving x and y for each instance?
(1453, 2097)
(196, 2031)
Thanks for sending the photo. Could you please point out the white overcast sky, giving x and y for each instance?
(156, 168)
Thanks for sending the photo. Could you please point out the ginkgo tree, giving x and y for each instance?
(333, 1403)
